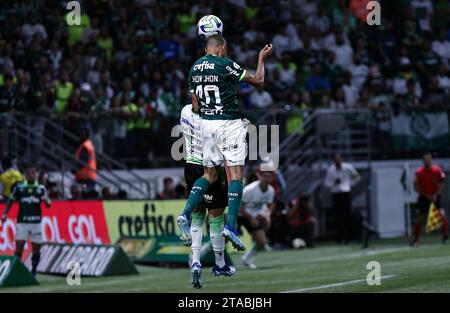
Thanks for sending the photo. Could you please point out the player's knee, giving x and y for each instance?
(212, 213)
(260, 244)
(235, 173)
(236, 176)
(19, 249)
(211, 176)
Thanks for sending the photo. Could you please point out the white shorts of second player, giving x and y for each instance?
(32, 231)
(263, 213)
(224, 140)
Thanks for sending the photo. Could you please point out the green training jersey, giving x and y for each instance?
(214, 80)
(29, 197)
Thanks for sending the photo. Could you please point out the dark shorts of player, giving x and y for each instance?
(423, 204)
(216, 197)
(244, 222)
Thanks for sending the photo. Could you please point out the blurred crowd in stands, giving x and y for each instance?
(11, 174)
(123, 71)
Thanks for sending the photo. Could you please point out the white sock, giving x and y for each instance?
(218, 243)
(251, 252)
(197, 236)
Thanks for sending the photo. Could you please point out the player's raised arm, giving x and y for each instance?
(257, 80)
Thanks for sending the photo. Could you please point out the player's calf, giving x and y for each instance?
(35, 258)
(196, 196)
(196, 232)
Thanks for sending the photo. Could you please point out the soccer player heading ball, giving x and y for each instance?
(212, 82)
(215, 201)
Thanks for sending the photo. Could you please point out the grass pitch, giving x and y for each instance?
(326, 268)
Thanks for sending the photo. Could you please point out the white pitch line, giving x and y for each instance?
(351, 282)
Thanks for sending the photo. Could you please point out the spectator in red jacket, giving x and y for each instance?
(301, 221)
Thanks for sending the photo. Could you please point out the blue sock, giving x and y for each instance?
(234, 202)
(195, 197)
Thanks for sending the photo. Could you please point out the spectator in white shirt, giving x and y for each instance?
(406, 73)
(330, 39)
(320, 20)
(339, 179)
(295, 43)
(305, 7)
(32, 28)
(423, 11)
(443, 78)
(287, 70)
(252, 34)
(442, 46)
(343, 52)
(281, 40)
(350, 91)
(359, 71)
(260, 99)
(315, 42)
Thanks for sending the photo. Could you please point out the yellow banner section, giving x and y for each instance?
(146, 219)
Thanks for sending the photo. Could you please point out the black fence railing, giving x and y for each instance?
(393, 135)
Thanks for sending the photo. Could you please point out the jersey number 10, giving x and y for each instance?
(200, 91)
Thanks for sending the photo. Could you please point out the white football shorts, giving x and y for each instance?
(32, 231)
(224, 140)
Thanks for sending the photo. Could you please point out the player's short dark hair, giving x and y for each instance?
(215, 41)
(167, 180)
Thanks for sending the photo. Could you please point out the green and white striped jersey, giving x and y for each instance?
(191, 123)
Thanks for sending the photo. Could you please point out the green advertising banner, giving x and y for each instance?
(166, 249)
(14, 273)
(147, 219)
(90, 260)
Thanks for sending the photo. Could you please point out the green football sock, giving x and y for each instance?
(198, 219)
(234, 202)
(195, 197)
(216, 224)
